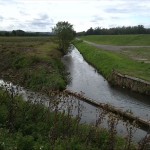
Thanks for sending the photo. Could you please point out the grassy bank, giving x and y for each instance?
(107, 61)
(33, 62)
(143, 40)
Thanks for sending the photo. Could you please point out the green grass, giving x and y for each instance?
(107, 61)
(138, 54)
(32, 62)
(142, 40)
(28, 126)
(35, 63)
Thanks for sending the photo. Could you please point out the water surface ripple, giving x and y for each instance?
(86, 79)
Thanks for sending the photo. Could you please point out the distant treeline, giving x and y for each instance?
(23, 33)
(116, 31)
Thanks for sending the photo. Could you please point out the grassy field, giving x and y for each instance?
(142, 40)
(138, 54)
(107, 61)
(33, 62)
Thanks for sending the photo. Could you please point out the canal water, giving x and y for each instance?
(85, 79)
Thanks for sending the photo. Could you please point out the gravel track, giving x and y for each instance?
(112, 47)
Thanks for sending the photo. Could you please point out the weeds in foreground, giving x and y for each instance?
(144, 144)
(112, 125)
(131, 129)
(57, 126)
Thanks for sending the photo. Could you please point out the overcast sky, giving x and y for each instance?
(42, 15)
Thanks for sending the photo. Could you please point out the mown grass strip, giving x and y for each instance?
(122, 40)
(107, 61)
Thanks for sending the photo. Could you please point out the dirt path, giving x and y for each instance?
(112, 47)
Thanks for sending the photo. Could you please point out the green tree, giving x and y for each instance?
(65, 34)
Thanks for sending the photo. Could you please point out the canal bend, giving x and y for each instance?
(85, 79)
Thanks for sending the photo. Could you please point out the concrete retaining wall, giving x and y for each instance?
(135, 84)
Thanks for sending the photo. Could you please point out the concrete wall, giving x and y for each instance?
(135, 84)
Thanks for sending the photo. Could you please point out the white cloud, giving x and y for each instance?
(1, 18)
(42, 15)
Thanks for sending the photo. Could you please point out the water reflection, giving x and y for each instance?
(86, 79)
(76, 107)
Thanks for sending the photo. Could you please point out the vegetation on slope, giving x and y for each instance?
(138, 40)
(32, 126)
(33, 62)
(107, 61)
